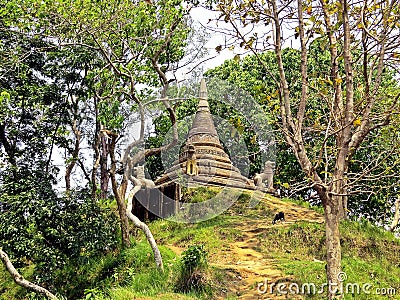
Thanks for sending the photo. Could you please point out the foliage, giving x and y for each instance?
(193, 270)
(251, 76)
(38, 225)
(48, 230)
(33, 110)
(112, 275)
(194, 257)
(121, 29)
(374, 197)
(71, 69)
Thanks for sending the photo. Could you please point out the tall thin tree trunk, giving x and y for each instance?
(120, 201)
(126, 242)
(104, 175)
(74, 156)
(123, 187)
(333, 247)
(96, 148)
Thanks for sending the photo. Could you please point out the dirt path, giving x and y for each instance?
(244, 261)
(245, 264)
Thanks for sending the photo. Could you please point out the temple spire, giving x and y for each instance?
(203, 122)
(203, 89)
(203, 159)
(203, 95)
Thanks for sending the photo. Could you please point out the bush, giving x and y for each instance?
(51, 230)
(193, 276)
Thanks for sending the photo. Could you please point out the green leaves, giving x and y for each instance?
(4, 96)
(194, 257)
(39, 226)
(194, 266)
(110, 115)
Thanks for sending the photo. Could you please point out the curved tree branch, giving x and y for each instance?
(142, 225)
(20, 280)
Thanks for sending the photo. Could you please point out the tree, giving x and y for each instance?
(370, 196)
(37, 224)
(362, 38)
(138, 42)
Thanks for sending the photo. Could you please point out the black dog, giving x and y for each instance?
(279, 217)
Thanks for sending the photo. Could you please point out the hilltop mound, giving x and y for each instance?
(248, 257)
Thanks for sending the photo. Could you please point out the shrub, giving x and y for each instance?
(51, 230)
(193, 276)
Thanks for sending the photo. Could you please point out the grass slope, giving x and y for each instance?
(295, 250)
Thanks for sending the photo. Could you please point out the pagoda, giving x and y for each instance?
(202, 160)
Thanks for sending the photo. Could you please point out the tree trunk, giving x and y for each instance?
(333, 247)
(396, 218)
(20, 280)
(144, 227)
(96, 148)
(343, 195)
(343, 208)
(342, 203)
(104, 176)
(74, 156)
(126, 242)
(10, 149)
(123, 187)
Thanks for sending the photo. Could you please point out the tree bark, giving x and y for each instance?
(343, 207)
(123, 187)
(396, 218)
(104, 175)
(74, 157)
(142, 225)
(20, 280)
(96, 148)
(126, 242)
(333, 247)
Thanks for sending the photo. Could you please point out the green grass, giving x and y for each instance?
(199, 194)
(124, 275)
(318, 209)
(6, 281)
(370, 255)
